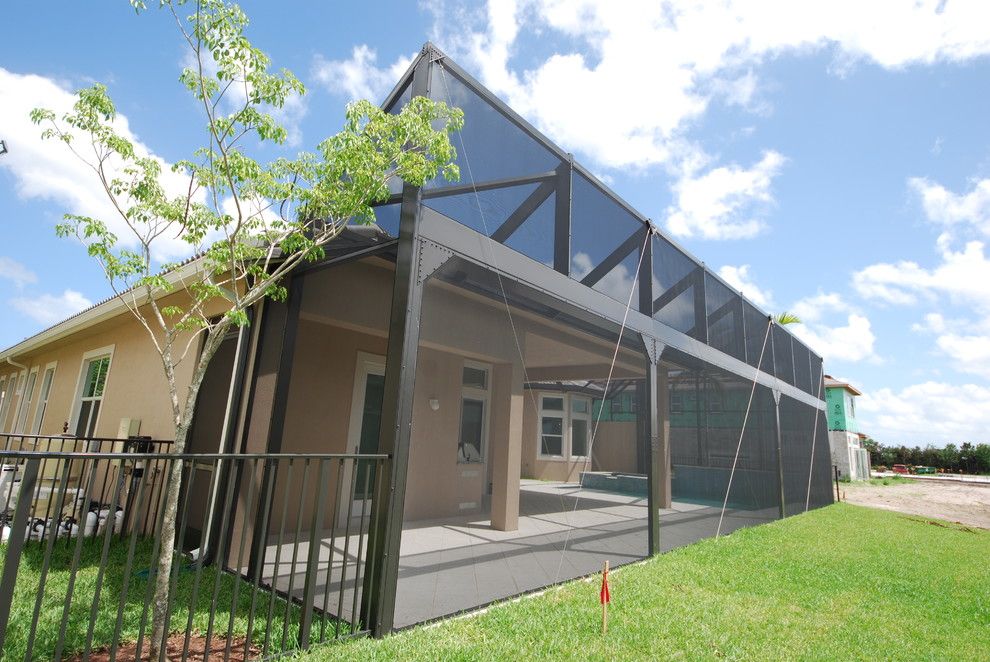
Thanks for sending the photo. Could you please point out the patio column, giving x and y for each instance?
(506, 440)
(657, 426)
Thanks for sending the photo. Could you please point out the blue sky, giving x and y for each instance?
(827, 158)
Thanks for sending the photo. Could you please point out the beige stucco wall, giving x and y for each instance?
(136, 387)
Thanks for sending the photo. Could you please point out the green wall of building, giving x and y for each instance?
(841, 409)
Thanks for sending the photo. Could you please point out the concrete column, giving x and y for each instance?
(506, 440)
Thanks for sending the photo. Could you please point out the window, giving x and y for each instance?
(46, 389)
(92, 384)
(676, 403)
(26, 400)
(565, 426)
(552, 425)
(8, 396)
(474, 408)
(3, 399)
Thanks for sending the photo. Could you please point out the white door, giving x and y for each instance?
(362, 434)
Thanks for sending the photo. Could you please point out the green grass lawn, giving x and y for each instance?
(843, 582)
(56, 584)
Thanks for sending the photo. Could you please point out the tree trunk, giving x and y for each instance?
(166, 555)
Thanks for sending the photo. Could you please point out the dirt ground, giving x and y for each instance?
(956, 502)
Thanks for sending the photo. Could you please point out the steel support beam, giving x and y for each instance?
(382, 569)
(478, 187)
(562, 219)
(514, 266)
(646, 280)
(614, 258)
(523, 212)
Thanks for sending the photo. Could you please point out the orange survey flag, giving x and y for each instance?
(604, 596)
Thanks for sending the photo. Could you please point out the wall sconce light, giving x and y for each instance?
(434, 404)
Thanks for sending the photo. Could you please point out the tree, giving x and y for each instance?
(785, 318)
(250, 223)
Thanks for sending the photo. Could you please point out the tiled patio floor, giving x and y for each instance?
(455, 564)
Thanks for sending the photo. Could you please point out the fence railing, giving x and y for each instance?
(271, 552)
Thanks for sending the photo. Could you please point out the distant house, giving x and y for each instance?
(844, 436)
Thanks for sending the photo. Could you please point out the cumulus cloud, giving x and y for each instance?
(16, 272)
(47, 170)
(48, 309)
(715, 205)
(625, 80)
(930, 412)
(739, 278)
(850, 341)
(951, 210)
(359, 77)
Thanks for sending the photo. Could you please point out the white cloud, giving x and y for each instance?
(930, 412)
(852, 341)
(720, 204)
(943, 207)
(47, 170)
(635, 75)
(962, 277)
(16, 272)
(739, 278)
(359, 77)
(49, 309)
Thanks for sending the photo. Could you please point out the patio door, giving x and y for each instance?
(363, 432)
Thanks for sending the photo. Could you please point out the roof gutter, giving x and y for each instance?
(100, 312)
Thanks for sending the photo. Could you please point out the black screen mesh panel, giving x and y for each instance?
(783, 359)
(490, 146)
(606, 241)
(707, 436)
(757, 338)
(676, 289)
(725, 318)
(798, 424)
(527, 465)
(534, 238)
(802, 366)
(482, 211)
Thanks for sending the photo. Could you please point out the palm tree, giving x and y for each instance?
(786, 318)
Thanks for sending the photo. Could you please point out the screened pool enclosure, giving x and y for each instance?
(555, 383)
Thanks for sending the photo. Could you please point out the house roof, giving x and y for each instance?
(831, 382)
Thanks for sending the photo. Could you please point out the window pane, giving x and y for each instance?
(472, 429)
(579, 406)
(83, 425)
(553, 425)
(579, 437)
(553, 404)
(101, 380)
(475, 377)
(552, 445)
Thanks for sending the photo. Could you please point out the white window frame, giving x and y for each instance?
(567, 427)
(483, 395)
(43, 397)
(27, 399)
(98, 353)
(13, 383)
(571, 417)
(3, 397)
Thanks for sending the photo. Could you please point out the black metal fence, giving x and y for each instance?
(271, 552)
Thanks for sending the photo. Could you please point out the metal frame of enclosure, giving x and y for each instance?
(726, 332)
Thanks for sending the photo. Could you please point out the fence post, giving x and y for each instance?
(15, 544)
(313, 559)
(835, 468)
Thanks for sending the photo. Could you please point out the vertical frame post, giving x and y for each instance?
(382, 567)
(15, 546)
(646, 277)
(658, 475)
(562, 218)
